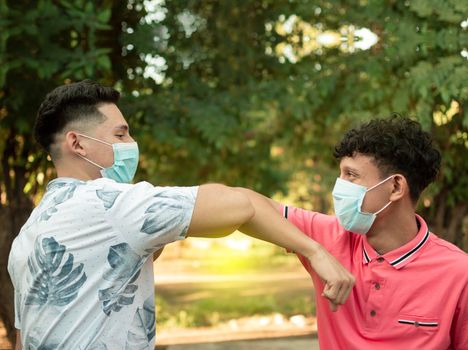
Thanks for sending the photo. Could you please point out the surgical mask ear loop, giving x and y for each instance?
(90, 161)
(381, 182)
(92, 138)
(386, 205)
(95, 139)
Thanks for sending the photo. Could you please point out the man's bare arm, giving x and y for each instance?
(268, 225)
(219, 210)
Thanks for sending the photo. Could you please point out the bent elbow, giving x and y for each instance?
(240, 205)
(246, 208)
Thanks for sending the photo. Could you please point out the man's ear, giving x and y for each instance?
(400, 187)
(73, 143)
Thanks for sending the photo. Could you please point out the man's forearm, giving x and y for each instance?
(267, 224)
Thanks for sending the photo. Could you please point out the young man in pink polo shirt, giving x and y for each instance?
(411, 288)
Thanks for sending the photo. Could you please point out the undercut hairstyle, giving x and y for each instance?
(397, 145)
(67, 104)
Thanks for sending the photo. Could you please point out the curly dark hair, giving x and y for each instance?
(76, 102)
(397, 145)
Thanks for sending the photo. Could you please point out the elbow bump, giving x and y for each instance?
(245, 206)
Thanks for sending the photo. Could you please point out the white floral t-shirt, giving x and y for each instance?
(82, 264)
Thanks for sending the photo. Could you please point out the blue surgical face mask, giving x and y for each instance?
(126, 157)
(347, 199)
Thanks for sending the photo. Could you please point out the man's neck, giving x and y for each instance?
(393, 231)
(74, 172)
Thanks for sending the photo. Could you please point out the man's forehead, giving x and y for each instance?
(358, 162)
(114, 117)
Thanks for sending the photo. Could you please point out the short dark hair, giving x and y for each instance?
(396, 144)
(76, 102)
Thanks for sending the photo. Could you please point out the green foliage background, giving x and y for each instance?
(229, 108)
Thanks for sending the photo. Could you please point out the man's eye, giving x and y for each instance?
(119, 135)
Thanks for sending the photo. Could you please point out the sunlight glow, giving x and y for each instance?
(156, 12)
(40, 178)
(328, 39)
(443, 115)
(302, 38)
(366, 39)
(242, 244)
(298, 320)
(464, 24)
(155, 67)
(464, 53)
(200, 243)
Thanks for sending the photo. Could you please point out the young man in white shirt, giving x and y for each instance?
(82, 264)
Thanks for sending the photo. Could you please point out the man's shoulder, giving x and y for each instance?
(449, 253)
(105, 184)
(292, 211)
(446, 247)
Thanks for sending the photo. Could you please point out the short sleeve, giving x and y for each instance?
(322, 228)
(149, 217)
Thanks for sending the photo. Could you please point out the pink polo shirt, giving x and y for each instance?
(414, 297)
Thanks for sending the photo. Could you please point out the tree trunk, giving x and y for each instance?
(6, 288)
(456, 230)
(449, 223)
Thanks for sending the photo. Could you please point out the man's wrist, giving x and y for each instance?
(312, 249)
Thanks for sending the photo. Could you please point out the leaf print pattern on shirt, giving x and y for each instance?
(33, 344)
(65, 191)
(142, 329)
(108, 197)
(46, 214)
(125, 264)
(166, 214)
(55, 280)
(98, 346)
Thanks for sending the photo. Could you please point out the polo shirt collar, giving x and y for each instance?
(402, 255)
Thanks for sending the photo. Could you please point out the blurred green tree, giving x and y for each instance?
(244, 92)
(252, 92)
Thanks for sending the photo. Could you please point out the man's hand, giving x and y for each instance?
(338, 281)
(268, 225)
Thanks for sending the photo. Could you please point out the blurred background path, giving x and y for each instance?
(288, 343)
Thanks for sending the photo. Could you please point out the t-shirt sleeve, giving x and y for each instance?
(322, 228)
(150, 217)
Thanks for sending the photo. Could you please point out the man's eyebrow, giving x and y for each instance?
(351, 169)
(122, 127)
